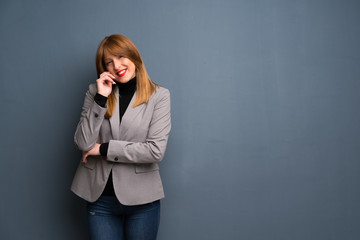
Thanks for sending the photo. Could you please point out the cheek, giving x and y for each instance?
(129, 64)
(132, 66)
(109, 68)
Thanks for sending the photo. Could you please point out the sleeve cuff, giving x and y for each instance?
(100, 100)
(104, 149)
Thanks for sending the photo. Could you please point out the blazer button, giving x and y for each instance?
(116, 159)
(96, 115)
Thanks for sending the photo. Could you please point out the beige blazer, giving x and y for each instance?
(135, 148)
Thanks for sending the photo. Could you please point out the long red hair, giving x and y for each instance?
(120, 45)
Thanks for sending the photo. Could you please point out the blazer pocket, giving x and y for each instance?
(90, 164)
(146, 167)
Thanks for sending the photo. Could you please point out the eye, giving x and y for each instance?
(107, 63)
(120, 56)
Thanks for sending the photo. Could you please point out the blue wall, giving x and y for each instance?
(265, 141)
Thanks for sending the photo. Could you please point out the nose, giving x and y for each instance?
(117, 64)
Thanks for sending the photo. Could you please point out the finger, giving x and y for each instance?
(84, 160)
(109, 79)
(104, 74)
(105, 80)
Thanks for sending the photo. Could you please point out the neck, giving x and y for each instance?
(128, 86)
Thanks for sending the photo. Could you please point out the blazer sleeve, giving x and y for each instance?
(153, 149)
(92, 116)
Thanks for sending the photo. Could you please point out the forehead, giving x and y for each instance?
(108, 54)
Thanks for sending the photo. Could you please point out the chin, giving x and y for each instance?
(124, 80)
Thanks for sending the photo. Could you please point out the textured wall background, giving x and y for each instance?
(265, 141)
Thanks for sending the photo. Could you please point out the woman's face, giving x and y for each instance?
(121, 67)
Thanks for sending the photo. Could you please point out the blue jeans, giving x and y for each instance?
(108, 219)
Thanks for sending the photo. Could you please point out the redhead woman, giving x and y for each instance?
(123, 132)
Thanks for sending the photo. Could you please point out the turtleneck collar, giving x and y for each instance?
(127, 87)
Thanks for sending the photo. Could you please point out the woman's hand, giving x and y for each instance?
(95, 151)
(104, 83)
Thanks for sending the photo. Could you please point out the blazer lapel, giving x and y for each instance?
(129, 115)
(115, 118)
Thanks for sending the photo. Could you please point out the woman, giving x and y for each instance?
(123, 132)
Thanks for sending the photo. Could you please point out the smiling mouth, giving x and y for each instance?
(121, 73)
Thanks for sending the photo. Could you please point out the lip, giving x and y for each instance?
(121, 73)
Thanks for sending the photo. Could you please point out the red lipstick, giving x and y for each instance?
(121, 73)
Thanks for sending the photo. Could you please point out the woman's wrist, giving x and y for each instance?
(104, 149)
(100, 99)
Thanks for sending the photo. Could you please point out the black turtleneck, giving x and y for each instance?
(126, 92)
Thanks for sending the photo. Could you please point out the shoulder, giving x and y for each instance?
(161, 92)
(92, 89)
(161, 97)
